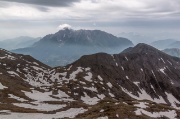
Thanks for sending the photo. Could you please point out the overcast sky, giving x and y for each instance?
(36, 18)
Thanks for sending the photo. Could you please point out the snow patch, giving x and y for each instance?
(73, 75)
(61, 94)
(136, 83)
(100, 78)
(106, 117)
(88, 100)
(109, 84)
(169, 62)
(153, 88)
(112, 95)
(93, 89)
(69, 67)
(88, 77)
(163, 60)
(144, 96)
(171, 114)
(172, 100)
(126, 58)
(122, 68)
(70, 113)
(116, 64)
(101, 110)
(141, 105)
(101, 96)
(17, 98)
(162, 70)
(35, 63)
(2, 87)
(40, 106)
(13, 73)
(45, 96)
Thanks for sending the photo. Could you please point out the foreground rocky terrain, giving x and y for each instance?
(141, 82)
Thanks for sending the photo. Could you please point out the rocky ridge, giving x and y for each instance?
(141, 82)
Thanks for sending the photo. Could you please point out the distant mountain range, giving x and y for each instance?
(139, 83)
(172, 51)
(175, 45)
(19, 42)
(136, 37)
(164, 44)
(68, 45)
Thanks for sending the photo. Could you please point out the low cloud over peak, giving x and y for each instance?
(64, 26)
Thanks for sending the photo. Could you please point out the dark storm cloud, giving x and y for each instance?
(52, 3)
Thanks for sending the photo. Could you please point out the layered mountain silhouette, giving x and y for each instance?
(175, 45)
(163, 44)
(19, 42)
(68, 45)
(166, 44)
(141, 82)
(172, 51)
(137, 37)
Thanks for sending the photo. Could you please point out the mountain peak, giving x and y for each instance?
(68, 45)
(68, 36)
(141, 48)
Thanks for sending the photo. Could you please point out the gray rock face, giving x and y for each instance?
(68, 45)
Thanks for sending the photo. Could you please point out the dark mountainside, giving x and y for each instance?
(68, 45)
(139, 83)
(142, 64)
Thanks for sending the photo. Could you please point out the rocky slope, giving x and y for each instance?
(141, 82)
(68, 45)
